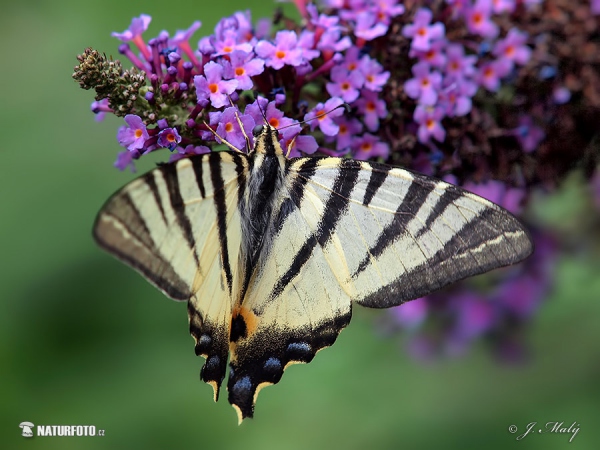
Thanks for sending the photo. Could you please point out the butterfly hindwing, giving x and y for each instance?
(294, 306)
(179, 225)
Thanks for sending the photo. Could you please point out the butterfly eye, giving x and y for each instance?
(258, 129)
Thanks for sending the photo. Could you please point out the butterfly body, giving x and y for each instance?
(271, 253)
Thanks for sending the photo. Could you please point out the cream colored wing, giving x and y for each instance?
(349, 231)
(404, 235)
(179, 226)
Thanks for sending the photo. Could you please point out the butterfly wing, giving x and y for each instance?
(404, 234)
(179, 226)
(350, 231)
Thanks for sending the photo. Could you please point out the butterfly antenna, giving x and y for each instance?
(239, 121)
(222, 139)
(346, 106)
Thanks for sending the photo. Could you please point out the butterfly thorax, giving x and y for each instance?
(265, 181)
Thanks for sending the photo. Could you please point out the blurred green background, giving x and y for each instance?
(85, 340)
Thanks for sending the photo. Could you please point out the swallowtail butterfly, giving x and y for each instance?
(271, 253)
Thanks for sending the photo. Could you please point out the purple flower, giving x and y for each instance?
(135, 30)
(241, 66)
(411, 314)
(369, 146)
(299, 145)
(513, 47)
(499, 193)
(274, 116)
(435, 56)
(425, 85)
(124, 160)
(284, 51)
(479, 19)
(345, 84)
(100, 108)
(229, 44)
(491, 72)
(429, 119)
(475, 315)
(387, 9)
(169, 138)
(504, 6)
(421, 32)
(528, 134)
(228, 127)
(133, 136)
(458, 65)
(348, 129)
(375, 77)
(324, 114)
(561, 95)
(213, 86)
(456, 98)
(373, 108)
(367, 26)
(181, 40)
(189, 150)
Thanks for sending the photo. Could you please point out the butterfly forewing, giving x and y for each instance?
(179, 225)
(404, 234)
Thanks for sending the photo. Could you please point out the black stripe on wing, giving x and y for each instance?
(334, 208)
(183, 221)
(221, 208)
(411, 203)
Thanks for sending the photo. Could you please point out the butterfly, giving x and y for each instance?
(271, 253)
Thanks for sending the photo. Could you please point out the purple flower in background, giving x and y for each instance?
(229, 44)
(275, 117)
(375, 76)
(513, 47)
(229, 129)
(459, 66)
(429, 119)
(133, 136)
(479, 20)
(528, 134)
(284, 51)
(345, 84)
(411, 314)
(348, 129)
(299, 145)
(435, 56)
(169, 138)
(241, 66)
(135, 30)
(369, 146)
(497, 192)
(212, 86)
(490, 73)
(421, 32)
(368, 27)
(425, 85)
(124, 160)
(502, 6)
(372, 107)
(189, 150)
(456, 98)
(324, 114)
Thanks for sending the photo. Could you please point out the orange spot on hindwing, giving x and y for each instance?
(243, 324)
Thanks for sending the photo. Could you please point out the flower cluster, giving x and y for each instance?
(500, 96)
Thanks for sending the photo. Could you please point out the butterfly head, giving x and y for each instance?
(266, 140)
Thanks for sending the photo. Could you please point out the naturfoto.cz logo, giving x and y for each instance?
(58, 430)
